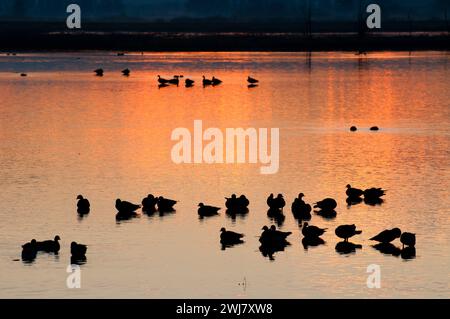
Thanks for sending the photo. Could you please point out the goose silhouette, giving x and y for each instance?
(175, 80)
(276, 203)
(126, 207)
(374, 128)
(300, 209)
(215, 81)
(126, 72)
(77, 250)
(189, 83)
(388, 235)
(230, 238)
(235, 203)
(98, 72)
(252, 80)
(272, 235)
(83, 205)
(206, 81)
(23, 74)
(162, 80)
(50, 246)
(346, 231)
(166, 204)
(326, 204)
(29, 250)
(373, 193)
(149, 203)
(207, 211)
(408, 239)
(353, 129)
(312, 231)
(353, 192)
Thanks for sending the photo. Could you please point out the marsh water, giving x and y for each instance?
(64, 132)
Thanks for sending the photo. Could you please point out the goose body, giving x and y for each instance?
(83, 205)
(236, 203)
(353, 192)
(189, 82)
(206, 210)
(126, 72)
(300, 209)
(326, 204)
(374, 193)
(252, 80)
(215, 81)
(126, 207)
(98, 72)
(49, 245)
(166, 204)
(78, 250)
(276, 203)
(149, 203)
(388, 235)
(206, 81)
(230, 237)
(175, 80)
(29, 250)
(273, 236)
(346, 231)
(408, 239)
(162, 80)
(312, 231)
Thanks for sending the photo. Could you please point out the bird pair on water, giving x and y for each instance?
(30, 249)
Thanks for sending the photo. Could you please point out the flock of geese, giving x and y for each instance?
(272, 240)
(175, 80)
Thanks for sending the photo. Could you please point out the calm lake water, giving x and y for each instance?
(64, 132)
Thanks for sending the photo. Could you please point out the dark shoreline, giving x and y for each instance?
(116, 41)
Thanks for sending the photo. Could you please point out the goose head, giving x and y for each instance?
(223, 230)
(201, 205)
(57, 238)
(79, 197)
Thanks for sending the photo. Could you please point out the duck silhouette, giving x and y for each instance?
(149, 204)
(175, 80)
(346, 247)
(373, 193)
(78, 250)
(189, 83)
(408, 239)
(236, 203)
(166, 204)
(312, 231)
(252, 80)
(353, 129)
(126, 72)
(162, 80)
(207, 211)
(230, 238)
(346, 231)
(98, 72)
(126, 207)
(273, 235)
(353, 192)
(388, 235)
(23, 74)
(83, 205)
(374, 128)
(50, 246)
(327, 204)
(276, 203)
(215, 81)
(29, 251)
(300, 209)
(206, 81)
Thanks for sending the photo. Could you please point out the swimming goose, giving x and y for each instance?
(98, 72)
(83, 205)
(189, 82)
(273, 236)
(49, 245)
(276, 203)
(408, 239)
(388, 235)
(353, 192)
(175, 80)
(326, 204)
(126, 72)
(215, 81)
(235, 203)
(252, 80)
(23, 74)
(77, 250)
(206, 210)
(374, 128)
(29, 250)
(166, 204)
(300, 209)
(229, 237)
(126, 207)
(162, 80)
(312, 231)
(347, 231)
(353, 129)
(374, 193)
(206, 81)
(149, 203)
